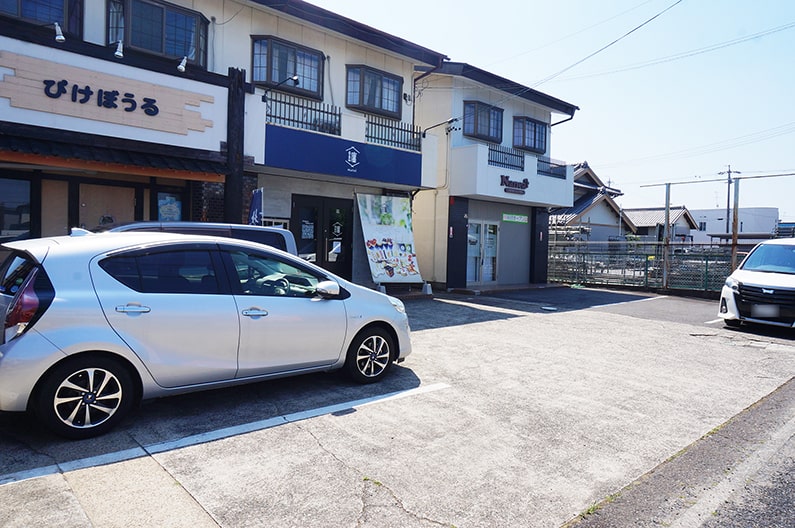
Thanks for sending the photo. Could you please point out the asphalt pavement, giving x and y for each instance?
(552, 408)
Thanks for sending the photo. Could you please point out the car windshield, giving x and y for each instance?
(771, 258)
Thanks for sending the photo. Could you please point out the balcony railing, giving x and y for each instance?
(393, 133)
(506, 157)
(550, 167)
(296, 112)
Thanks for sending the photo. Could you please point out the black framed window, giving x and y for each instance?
(529, 134)
(68, 13)
(159, 28)
(374, 91)
(177, 271)
(483, 121)
(14, 209)
(276, 60)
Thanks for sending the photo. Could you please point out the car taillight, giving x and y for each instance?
(22, 309)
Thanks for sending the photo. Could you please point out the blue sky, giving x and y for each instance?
(706, 85)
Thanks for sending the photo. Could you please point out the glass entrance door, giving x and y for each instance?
(482, 252)
(323, 230)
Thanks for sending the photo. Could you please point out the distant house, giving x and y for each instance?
(754, 224)
(650, 223)
(594, 215)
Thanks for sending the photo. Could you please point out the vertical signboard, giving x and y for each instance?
(388, 238)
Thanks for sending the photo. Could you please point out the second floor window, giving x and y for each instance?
(275, 60)
(68, 13)
(529, 134)
(483, 121)
(159, 28)
(374, 91)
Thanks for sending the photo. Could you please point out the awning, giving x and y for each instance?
(48, 153)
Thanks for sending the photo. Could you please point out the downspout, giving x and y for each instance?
(561, 122)
(414, 89)
(436, 191)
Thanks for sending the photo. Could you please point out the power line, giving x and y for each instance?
(574, 34)
(709, 148)
(628, 33)
(679, 56)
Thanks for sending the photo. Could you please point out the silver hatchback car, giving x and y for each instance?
(94, 323)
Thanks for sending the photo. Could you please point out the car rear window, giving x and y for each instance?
(165, 272)
(261, 237)
(13, 271)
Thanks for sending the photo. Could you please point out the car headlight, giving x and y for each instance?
(397, 304)
(732, 283)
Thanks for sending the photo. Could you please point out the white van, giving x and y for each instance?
(272, 236)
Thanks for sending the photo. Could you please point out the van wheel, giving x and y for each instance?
(84, 397)
(370, 355)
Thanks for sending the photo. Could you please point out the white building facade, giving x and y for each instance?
(122, 110)
(484, 222)
(753, 223)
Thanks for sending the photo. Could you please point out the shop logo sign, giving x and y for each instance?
(353, 159)
(513, 187)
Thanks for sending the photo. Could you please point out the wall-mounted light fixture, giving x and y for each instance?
(181, 65)
(448, 122)
(58, 33)
(293, 78)
(119, 53)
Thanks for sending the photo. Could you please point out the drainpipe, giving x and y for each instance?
(414, 89)
(561, 122)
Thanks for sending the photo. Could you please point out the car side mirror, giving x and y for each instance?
(327, 289)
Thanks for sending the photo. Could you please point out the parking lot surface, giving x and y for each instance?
(513, 410)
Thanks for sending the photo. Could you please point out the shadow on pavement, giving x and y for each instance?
(27, 447)
(427, 313)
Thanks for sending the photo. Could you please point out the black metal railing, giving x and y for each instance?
(506, 157)
(393, 133)
(550, 167)
(297, 112)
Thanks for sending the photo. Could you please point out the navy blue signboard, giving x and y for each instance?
(288, 148)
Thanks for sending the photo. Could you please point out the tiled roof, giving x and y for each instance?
(655, 216)
(91, 153)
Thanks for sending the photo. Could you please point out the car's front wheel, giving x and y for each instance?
(732, 323)
(370, 355)
(84, 397)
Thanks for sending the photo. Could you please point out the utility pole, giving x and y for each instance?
(728, 193)
(735, 221)
(667, 236)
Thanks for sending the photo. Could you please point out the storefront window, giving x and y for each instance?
(14, 209)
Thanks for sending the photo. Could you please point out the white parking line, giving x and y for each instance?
(160, 447)
(714, 321)
(645, 299)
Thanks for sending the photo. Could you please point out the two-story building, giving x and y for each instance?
(594, 216)
(484, 222)
(121, 110)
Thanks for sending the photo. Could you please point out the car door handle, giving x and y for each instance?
(255, 312)
(133, 308)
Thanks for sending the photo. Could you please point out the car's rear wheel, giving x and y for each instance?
(370, 355)
(85, 397)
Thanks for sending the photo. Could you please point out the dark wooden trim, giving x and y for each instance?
(233, 190)
(106, 142)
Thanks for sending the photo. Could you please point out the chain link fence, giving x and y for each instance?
(642, 265)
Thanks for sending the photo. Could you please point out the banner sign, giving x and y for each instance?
(255, 209)
(388, 238)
